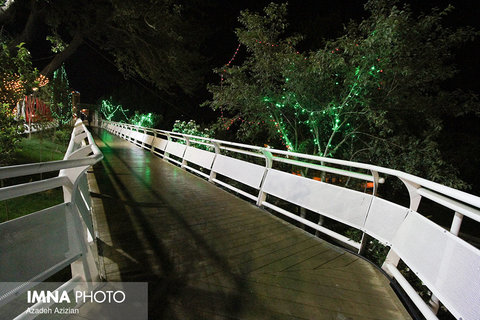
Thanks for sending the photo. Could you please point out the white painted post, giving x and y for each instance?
(392, 257)
(144, 137)
(376, 181)
(184, 162)
(213, 174)
(268, 165)
(152, 148)
(456, 223)
(169, 138)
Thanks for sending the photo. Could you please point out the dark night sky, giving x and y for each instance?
(92, 73)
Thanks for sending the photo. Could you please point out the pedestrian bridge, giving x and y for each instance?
(156, 209)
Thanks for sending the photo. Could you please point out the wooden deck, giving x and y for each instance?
(209, 255)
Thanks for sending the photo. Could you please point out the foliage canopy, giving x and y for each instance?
(9, 135)
(17, 74)
(373, 95)
(60, 97)
(18, 77)
(151, 39)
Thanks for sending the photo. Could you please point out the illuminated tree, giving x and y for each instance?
(9, 134)
(148, 120)
(60, 97)
(372, 95)
(112, 112)
(17, 75)
(17, 78)
(191, 128)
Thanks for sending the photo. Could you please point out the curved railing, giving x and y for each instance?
(445, 263)
(39, 126)
(36, 246)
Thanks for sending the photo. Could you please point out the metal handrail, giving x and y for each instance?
(81, 153)
(442, 189)
(461, 203)
(448, 191)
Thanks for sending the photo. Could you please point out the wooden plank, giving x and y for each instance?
(277, 255)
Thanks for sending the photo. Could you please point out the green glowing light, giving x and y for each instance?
(142, 120)
(109, 111)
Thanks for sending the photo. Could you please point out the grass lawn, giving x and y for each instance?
(45, 146)
(17, 207)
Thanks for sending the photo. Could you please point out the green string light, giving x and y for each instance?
(109, 110)
(285, 106)
(142, 120)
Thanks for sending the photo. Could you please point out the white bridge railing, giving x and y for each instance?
(39, 126)
(445, 263)
(37, 246)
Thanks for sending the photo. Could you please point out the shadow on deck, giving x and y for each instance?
(209, 255)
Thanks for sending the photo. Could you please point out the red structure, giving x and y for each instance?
(37, 110)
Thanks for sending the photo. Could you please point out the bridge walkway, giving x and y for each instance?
(207, 254)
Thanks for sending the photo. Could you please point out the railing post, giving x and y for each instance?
(144, 136)
(392, 257)
(303, 214)
(268, 165)
(184, 162)
(138, 131)
(376, 181)
(152, 148)
(169, 139)
(213, 174)
(456, 223)
(412, 192)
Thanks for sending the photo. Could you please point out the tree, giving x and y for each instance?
(191, 128)
(112, 112)
(373, 95)
(148, 120)
(17, 74)
(9, 134)
(151, 39)
(18, 77)
(60, 97)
